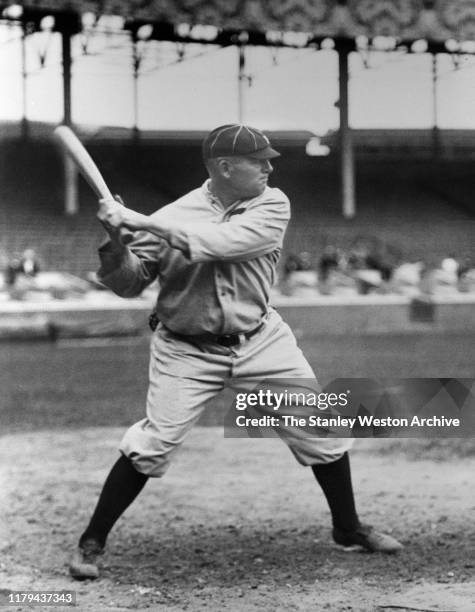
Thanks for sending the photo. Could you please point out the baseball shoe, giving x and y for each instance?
(83, 565)
(368, 538)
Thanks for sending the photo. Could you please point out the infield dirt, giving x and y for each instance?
(236, 525)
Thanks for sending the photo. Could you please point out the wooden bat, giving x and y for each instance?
(71, 144)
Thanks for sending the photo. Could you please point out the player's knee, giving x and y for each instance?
(148, 452)
(152, 466)
(313, 451)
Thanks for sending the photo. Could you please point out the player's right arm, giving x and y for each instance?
(257, 232)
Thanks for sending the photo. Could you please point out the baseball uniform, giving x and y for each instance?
(215, 260)
(215, 268)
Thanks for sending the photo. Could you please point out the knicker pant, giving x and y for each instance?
(184, 376)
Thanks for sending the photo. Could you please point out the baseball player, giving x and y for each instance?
(214, 252)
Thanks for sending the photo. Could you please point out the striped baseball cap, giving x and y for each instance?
(237, 139)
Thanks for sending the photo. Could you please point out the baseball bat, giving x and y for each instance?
(71, 144)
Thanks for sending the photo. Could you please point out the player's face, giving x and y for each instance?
(248, 176)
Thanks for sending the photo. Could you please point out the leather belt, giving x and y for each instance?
(224, 340)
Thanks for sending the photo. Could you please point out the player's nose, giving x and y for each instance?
(267, 167)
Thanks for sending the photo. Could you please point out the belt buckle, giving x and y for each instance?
(228, 340)
(153, 321)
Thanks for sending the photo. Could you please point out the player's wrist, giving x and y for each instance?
(140, 221)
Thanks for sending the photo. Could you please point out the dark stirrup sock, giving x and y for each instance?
(121, 487)
(335, 480)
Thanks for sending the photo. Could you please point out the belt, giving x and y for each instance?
(224, 340)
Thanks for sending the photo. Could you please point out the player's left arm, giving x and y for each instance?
(259, 230)
(128, 260)
(127, 268)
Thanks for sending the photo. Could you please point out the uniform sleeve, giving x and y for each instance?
(128, 270)
(259, 230)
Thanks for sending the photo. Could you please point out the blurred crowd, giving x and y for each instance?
(22, 277)
(370, 266)
(25, 277)
(27, 265)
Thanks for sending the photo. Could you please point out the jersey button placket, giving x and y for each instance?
(219, 284)
(220, 290)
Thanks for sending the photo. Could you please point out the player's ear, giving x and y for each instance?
(224, 166)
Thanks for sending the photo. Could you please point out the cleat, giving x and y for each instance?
(83, 565)
(365, 536)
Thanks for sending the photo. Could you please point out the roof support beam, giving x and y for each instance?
(71, 196)
(347, 160)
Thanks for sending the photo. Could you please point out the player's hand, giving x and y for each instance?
(114, 215)
(111, 221)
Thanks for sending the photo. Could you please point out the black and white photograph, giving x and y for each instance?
(237, 305)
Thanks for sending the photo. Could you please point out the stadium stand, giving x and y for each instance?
(419, 206)
(398, 202)
(32, 216)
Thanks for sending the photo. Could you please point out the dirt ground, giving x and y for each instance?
(237, 525)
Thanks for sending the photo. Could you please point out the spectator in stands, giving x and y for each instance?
(372, 263)
(358, 254)
(330, 260)
(466, 275)
(440, 276)
(361, 266)
(407, 277)
(29, 263)
(305, 261)
(383, 258)
(300, 277)
(292, 263)
(428, 277)
(329, 263)
(20, 273)
(446, 275)
(12, 270)
(465, 265)
(450, 266)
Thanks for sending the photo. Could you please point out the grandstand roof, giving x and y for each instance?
(379, 143)
(12, 130)
(436, 20)
(415, 143)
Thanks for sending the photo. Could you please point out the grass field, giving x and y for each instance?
(81, 383)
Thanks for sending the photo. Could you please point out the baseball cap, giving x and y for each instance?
(237, 139)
